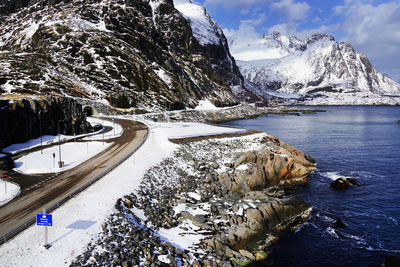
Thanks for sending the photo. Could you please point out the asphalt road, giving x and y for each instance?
(52, 188)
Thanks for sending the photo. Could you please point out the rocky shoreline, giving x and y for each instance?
(216, 202)
(242, 111)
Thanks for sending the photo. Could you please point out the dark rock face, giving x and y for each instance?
(26, 119)
(339, 224)
(343, 183)
(143, 50)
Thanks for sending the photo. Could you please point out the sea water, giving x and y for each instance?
(347, 141)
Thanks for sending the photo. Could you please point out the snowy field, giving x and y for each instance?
(79, 221)
(72, 154)
(185, 129)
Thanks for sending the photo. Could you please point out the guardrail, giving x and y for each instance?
(31, 221)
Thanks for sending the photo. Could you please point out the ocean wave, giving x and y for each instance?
(372, 213)
(335, 175)
(325, 218)
(331, 232)
(331, 175)
(370, 248)
(358, 239)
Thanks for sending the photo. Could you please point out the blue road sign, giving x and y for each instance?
(44, 220)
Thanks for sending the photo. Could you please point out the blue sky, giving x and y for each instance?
(371, 26)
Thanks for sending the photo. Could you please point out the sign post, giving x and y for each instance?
(54, 160)
(113, 124)
(45, 220)
(103, 129)
(5, 175)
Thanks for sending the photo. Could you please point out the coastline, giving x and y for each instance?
(114, 225)
(186, 213)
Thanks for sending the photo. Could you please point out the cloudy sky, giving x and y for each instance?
(371, 26)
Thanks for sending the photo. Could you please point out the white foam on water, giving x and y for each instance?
(325, 218)
(335, 175)
(331, 232)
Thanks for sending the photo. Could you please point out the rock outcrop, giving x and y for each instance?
(279, 164)
(185, 195)
(343, 183)
(28, 118)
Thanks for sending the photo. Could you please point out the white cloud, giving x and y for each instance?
(373, 30)
(256, 21)
(231, 4)
(294, 11)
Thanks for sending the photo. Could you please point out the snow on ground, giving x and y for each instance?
(50, 139)
(116, 130)
(178, 236)
(8, 191)
(72, 154)
(205, 105)
(185, 129)
(203, 27)
(79, 221)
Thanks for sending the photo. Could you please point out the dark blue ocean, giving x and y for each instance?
(357, 142)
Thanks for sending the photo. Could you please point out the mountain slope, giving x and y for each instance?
(316, 66)
(126, 52)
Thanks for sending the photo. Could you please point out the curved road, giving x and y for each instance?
(30, 202)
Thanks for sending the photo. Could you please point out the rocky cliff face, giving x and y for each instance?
(25, 119)
(316, 66)
(126, 52)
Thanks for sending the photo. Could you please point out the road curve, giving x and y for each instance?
(26, 205)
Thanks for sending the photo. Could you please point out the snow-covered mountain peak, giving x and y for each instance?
(247, 45)
(320, 37)
(318, 65)
(204, 29)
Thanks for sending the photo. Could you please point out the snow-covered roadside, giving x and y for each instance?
(8, 191)
(185, 129)
(72, 154)
(116, 130)
(51, 139)
(80, 219)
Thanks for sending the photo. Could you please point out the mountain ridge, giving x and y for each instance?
(143, 51)
(318, 64)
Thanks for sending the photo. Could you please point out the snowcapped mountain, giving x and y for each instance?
(249, 46)
(148, 53)
(318, 66)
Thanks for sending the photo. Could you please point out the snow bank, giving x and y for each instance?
(193, 129)
(116, 131)
(72, 154)
(8, 191)
(205, 105)
(50, 139)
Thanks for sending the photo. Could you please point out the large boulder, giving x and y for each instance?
(343, 183)
(263, 221)
(277, 164)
